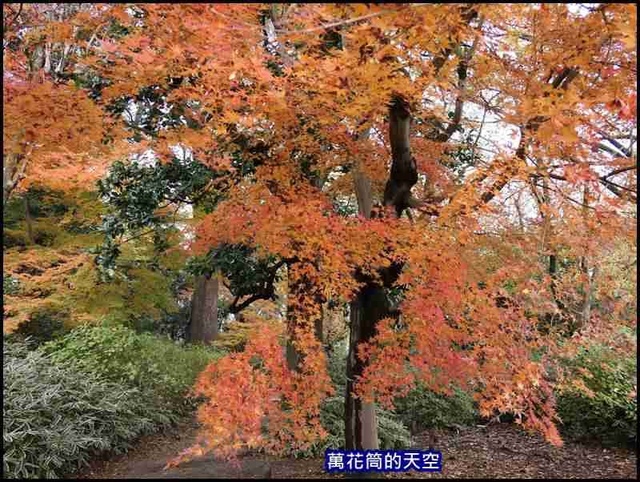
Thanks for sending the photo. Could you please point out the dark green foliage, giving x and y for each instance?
(43, 203)
(12, 238)
(610, 416)
(345, 206)
(332, 40)
(421, 409)
(392, 433)
(152, 112)
(55, 418)
(248, 275)
(44, 235)
(171, 324)
(158, 367)
(42, 325)
(243, 165)
(465, 156)
(54, 215)
(134, 193)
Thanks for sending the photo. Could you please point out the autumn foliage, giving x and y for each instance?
(522, 131)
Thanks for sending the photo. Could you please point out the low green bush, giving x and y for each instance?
(57, 417)
(44, 234)
(43, 325)
(14, 237)
(392, 433)
(157, 366)
(610, 415)
(422, 409)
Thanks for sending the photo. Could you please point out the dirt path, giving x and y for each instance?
(496, 451)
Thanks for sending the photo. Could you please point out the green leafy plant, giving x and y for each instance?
(43, 325)
(421, 408)
(392, 432)
(162, 369)
(610, 414)
(57, 417)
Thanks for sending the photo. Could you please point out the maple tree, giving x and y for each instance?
(505, 132)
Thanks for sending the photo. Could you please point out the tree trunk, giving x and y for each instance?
(589, 273)
(13, 171)
(361, 425)
(203, 326)
(371, 305)
(585, 310)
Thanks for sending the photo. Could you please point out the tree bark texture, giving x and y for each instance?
(203, 326)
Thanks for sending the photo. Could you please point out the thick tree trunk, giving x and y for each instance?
(203, 326)
(361, 425)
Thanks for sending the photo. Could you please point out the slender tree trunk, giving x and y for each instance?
(543, 200)
(585, 311)
(589, 273)
(13, 171)
(203, 326)
(553, 257)
(298, 288)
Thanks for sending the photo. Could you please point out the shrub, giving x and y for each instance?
(42, 326)
(173, 324)
(56, 418)
(162, 369)
(422, 408)
(391, 431)
(45, 234)
(14, 237)
(608, 416)
(172, 369)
